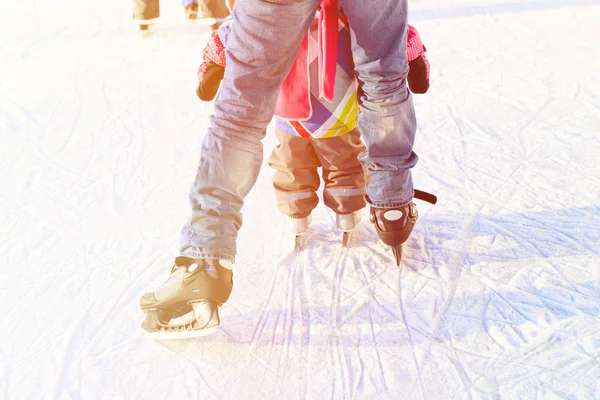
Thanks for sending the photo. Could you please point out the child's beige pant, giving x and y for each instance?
(147, 10)
(296, 179)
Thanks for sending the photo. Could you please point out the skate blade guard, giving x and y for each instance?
(201, 321)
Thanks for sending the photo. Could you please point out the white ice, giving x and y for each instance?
(499, 293)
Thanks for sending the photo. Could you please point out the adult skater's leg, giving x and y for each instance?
(387, 118)
(263, 44)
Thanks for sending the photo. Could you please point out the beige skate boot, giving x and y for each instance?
(186, 305)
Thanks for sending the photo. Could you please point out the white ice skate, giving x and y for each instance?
(144, 25)
(299, 227)
(346, 223)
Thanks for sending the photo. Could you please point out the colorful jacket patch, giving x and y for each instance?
(328, 119)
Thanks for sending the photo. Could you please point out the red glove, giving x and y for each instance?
(212, 69)
(418, 76)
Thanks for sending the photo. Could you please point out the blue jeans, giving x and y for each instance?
(262, 46)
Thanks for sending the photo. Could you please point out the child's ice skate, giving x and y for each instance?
(186, 305)
(394, 225)
(346, 223)
(144, 26)
(299, 227)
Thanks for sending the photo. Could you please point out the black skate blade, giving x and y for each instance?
(345, 239)
(428, 197)
(397, 250)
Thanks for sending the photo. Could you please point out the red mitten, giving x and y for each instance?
(212, 69)
(418, 76)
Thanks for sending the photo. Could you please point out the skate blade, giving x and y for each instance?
(397, 250)
(298, 243)
(181, 334)
(345, 238)
(204, 321)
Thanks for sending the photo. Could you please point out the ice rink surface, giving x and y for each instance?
(499, 293)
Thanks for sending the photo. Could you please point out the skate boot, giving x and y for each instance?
(299, 227)
(394, 225)
(191, 11)
(144, 25)
(186, 305)
(346, 223)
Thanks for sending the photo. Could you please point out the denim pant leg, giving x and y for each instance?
(387, 118)
(261, 48)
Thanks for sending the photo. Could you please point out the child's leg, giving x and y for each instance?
(146, 10)
(296, 179)
(213, 9)
(342, 172)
